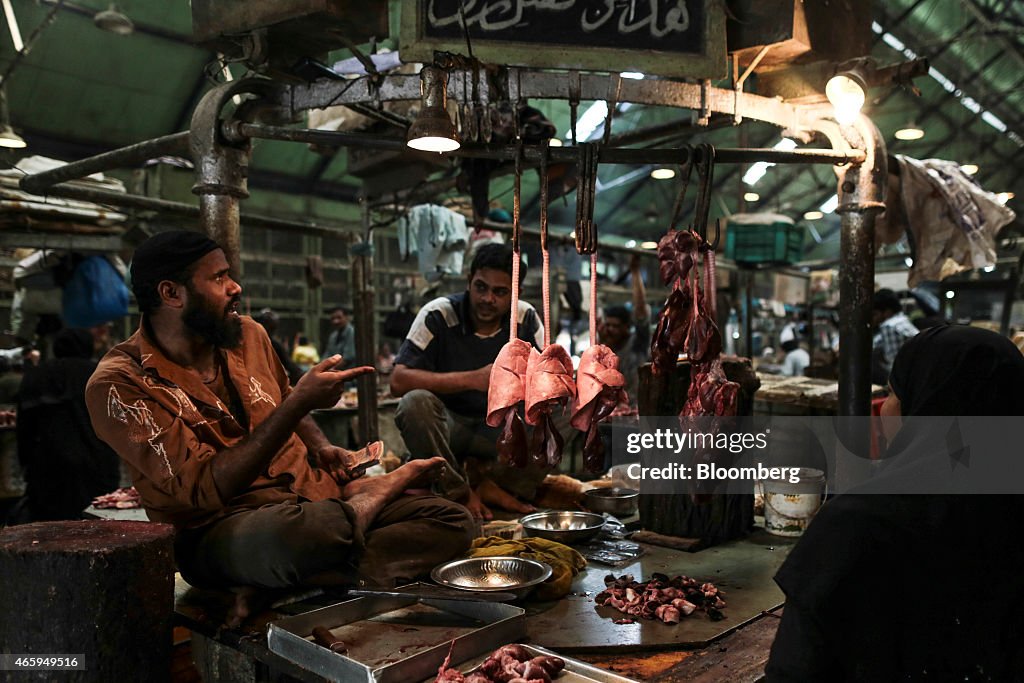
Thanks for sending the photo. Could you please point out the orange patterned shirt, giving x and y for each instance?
(168, 426)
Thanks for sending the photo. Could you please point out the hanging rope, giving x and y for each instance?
(593, 298)
(545, 153)
(516, 197)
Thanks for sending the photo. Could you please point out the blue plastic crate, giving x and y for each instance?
(776, 243)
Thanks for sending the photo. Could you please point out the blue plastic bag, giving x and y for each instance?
(95, 294)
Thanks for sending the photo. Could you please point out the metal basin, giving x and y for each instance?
(565, 527)
(615, 501)
(507, 574)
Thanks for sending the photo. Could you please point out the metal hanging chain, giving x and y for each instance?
(586, 191)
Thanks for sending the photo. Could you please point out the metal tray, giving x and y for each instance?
(575, 671)
(395, 640)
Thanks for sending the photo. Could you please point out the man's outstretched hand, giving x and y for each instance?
(322, 387)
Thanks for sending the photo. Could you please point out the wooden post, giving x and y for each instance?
(726, 516)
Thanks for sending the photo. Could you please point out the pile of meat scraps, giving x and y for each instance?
(121, 499)
(508, 664)
(660, 598)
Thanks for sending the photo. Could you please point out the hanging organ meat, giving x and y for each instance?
(600, 388)
(507, 389)
(549, 385)
(687, 326)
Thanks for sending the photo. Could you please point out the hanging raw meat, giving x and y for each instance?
(507, 384)
(507, 389)
(549, 385)
(549, 382)
(600, 389)
(677, 254)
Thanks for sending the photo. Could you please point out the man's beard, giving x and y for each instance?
(212, 326)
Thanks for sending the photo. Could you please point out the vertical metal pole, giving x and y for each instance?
(1011, 292)
(861, 198)
(810, 318)
(365, 321)
(748, 311)
(218, 214)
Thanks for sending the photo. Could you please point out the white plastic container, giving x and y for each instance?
(789, 507)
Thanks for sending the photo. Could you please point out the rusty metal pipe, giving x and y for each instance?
(134, 201)
(532, 153)
(177, 144)
(220, 217)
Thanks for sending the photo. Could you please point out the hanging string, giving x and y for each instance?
(516, 197)
(593, 298)
(546, 269)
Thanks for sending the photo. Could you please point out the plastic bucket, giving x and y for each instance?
(788, 506)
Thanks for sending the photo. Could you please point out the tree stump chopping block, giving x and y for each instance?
(101, 590)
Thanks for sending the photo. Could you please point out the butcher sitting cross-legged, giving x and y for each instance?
(442, 373)
(199, 407)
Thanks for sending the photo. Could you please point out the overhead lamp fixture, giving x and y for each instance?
(648, 245)
(813, 215)
(969, 169)
(663, 174)
(751, 196)
(847, 89)
(114, 20)
(555, 142)
(8, 138)
(630, 244)
(911, 132)
(433, 130)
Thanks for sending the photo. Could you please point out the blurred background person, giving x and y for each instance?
(269, 320)
(65, 464)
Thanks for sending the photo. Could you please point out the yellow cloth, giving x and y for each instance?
(565, 562)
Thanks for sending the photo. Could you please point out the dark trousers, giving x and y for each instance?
(277, 546)
(468, 444)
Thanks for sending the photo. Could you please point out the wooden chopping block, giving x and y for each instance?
(102, 590)
(674, 542)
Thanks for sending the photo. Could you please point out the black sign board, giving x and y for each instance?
(667, 37)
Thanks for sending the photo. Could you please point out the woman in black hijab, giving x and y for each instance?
(915, 587)
(65, 464)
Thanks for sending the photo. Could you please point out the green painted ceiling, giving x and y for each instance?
(82, 90)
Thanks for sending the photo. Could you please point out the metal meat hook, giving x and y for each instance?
(705, 172)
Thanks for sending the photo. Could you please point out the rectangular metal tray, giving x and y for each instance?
(575, 671)
(395, 640)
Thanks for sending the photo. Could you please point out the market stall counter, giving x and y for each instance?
(573, 627)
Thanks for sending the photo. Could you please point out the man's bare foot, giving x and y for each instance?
(492, 494)
(477, 508)
(248, 601)
(367, 495)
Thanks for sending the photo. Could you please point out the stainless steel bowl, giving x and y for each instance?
(488, 574)
(615, 501)
(565, 527)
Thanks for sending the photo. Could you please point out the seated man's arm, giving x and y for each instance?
(404, 379)
(418, 366)
(181, 472)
